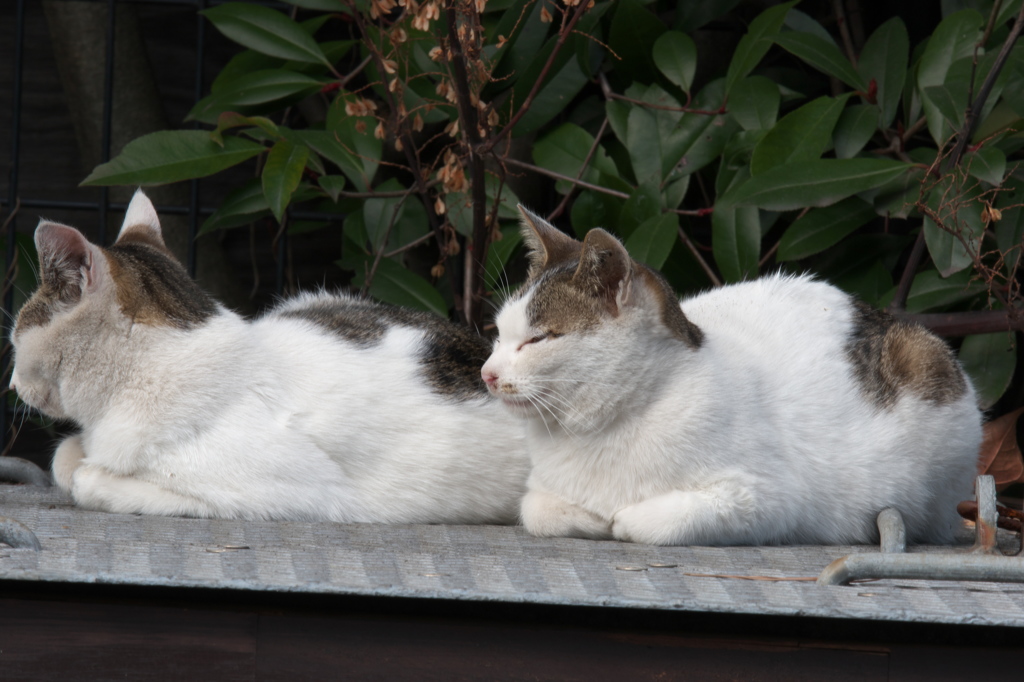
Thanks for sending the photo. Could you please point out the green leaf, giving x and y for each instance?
(230, 119)
(736, 240)
(241, 206)
(282, 173)
(953, 39)
(884, 60)
(566, 148)
(930, 290)
(557, 91)
(823, 55)
(322, 5)
(698, 139)
(265, 30)
(821, 228)
(644, 203)
(756, 43)
(170, 156)
(652, 240)
(987, 163)
(594, 209)
(869, 283)
(802, 135)
(693, 14)
(959, 210)
(950, 100)
(254, 92)
(644, 146)
(634, 29)
(855, 127)
(332, 184)
(814, 183)
(754, 103)
(990, 360)
(675, 54)
(393, 284)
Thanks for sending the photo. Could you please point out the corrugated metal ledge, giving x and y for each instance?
(481, 563)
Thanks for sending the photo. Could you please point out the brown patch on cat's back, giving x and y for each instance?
(558, 305)
(672, 315)
(891, 356)
(153, 288)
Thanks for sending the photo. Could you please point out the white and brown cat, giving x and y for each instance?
(326, 408)
(773, 411)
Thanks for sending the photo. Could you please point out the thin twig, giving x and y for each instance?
(413, 244)
(700, 259)
(844, 31)
(971, 120)
(384, 241)
(583, 169)
(899, 300)
(528, 102)
(610, 94)
(560, 176)
(470, 129)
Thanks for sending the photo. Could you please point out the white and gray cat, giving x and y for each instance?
(326, 408)
(773, 411)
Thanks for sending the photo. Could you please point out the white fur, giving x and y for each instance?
(271, 419)
(760, 436)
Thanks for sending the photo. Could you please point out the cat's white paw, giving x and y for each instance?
(548, 515)
(66, 461)
(636, 523)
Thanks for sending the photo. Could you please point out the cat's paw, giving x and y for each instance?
(66, 461)
(547, 515)
(655, 521)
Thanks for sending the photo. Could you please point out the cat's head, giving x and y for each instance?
(94, 305)
(571, 336)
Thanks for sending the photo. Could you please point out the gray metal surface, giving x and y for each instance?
(485, 563)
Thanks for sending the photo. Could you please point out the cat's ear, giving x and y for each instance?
(546, 243)
(68, 263)
(605, 267)
(141, 223)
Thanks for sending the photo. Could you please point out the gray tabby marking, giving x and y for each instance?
(452, 355)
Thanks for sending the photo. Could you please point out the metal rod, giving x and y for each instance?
(11, 241)
(18, 535)
(193, 204)
(108, 115)
(986, 523)
(20, 470)
(983, 563)
(892, 530)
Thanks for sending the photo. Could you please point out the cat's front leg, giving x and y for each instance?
(66, 461)
(717, 516)
(98, 489)
(548, 515)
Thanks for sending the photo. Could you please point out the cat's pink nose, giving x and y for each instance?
(490, 378)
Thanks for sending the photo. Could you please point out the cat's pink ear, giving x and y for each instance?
(547, 244)
(67, 259)
(141, 223)
(605, 266)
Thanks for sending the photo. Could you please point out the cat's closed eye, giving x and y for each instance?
(541, 337)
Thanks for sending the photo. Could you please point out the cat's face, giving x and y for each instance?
(552, 358)
(80, 326)
(587, 318)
